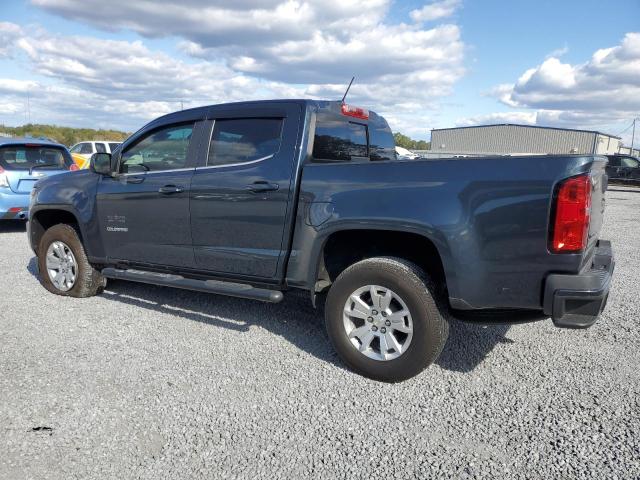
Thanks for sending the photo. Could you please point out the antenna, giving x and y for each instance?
(345, 93)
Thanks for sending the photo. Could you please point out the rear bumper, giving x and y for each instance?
(14, 206)
(576, 301)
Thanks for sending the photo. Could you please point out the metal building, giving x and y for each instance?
(520, 139)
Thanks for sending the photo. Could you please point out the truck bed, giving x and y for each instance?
(488, 217)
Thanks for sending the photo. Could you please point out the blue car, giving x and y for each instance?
(24, 161)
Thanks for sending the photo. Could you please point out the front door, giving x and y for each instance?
(144, 209)
(241, 198)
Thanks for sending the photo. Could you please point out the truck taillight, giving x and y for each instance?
(356, 112)
(572, 214)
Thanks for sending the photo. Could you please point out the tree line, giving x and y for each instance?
(70, 136)
(410, 143)
(65, 135)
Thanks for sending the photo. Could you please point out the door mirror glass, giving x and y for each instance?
(101, 163)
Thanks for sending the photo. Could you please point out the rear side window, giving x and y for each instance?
(19, 157)
(164, 149)
(242, 140)
(340, 141)
(101, 148)
(614, 161)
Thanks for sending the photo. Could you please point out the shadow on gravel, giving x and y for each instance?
(469, 344)
(12, 226)
(295, 320)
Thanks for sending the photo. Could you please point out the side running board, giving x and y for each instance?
(210, 286)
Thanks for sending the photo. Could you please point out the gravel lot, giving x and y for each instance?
(150, 382)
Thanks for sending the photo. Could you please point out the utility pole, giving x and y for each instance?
(633, 134)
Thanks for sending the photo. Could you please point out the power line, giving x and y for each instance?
(630, 125)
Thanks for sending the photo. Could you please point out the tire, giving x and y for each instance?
(87, 280)
(425, 328)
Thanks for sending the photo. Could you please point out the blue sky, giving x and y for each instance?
(423, 64)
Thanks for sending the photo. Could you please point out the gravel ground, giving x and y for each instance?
(150, 382)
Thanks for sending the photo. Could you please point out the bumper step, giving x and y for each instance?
(209, 286)
(576, 301)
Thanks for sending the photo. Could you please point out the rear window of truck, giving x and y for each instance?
(24, 157)
(340, 141)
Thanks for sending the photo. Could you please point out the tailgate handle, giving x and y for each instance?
(262, 186)
(169, 189)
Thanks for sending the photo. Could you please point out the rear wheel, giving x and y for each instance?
(63, 264)
(383, 319)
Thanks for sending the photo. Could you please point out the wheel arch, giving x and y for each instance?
(42, 220)
(343, 247)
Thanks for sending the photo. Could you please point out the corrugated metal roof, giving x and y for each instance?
(526, 126)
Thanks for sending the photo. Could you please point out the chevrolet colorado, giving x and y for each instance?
(256, 198)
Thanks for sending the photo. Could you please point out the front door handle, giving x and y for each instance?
(134, 179)
(169, 189)
(262, 186)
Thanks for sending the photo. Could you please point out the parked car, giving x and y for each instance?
(623, 169)
(24, 161)
(81, 152)
(254, 199)
(404, 154)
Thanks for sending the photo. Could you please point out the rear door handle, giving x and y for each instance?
(169, 189)
(262, 186)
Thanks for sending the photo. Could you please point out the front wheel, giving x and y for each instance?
(63, 264)
(383, 319)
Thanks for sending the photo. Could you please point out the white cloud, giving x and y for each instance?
(600, 94)
(8, 34)
(249, 49)
(608, 83)
(521, 118)
(436, 10)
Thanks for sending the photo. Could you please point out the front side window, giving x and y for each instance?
(614, 161)
(242, 140)
(629, 162)
(340, 141)
(101, 148)
(86, 148)
(164, 149)
(113, 146)
(25, 157)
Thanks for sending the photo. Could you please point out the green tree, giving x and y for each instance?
(65, 135)
(409, 143)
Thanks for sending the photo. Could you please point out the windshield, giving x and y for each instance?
(24, 157)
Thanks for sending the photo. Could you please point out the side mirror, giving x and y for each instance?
(101, 163)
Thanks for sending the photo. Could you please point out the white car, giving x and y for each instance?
(81, 152)
(404, 154)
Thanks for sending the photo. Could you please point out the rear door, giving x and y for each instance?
(144, 210)
(242, 196)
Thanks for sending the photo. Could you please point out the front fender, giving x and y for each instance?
(74, 193)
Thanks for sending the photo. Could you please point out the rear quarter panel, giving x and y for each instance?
(487, 217)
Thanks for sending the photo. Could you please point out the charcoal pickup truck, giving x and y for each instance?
(259, 198)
